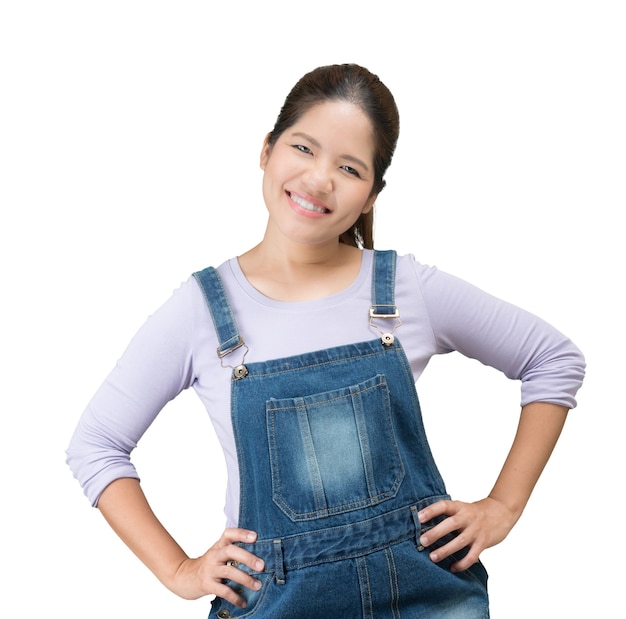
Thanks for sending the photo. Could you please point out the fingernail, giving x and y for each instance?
(258, 566)
(424, 541)
(257, 584)
(421, 516)
(251, 536)
(434, 556)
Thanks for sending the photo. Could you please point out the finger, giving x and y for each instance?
(445, 527)
(230, 595)
(440, 508)
(455, 545)
(466, 562)
(241, 577)
(238, 556)
(227, 549)
(233, 535)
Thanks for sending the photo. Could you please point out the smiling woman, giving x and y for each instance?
(305, 351)
(307, 176)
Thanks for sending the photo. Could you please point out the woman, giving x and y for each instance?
(305, 351)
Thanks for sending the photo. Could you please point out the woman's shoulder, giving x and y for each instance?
(409, 268)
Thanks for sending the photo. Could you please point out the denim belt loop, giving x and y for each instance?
(279, 565)
(418, 527)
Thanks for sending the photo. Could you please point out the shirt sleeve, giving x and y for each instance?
(155, 368)
(524, 347)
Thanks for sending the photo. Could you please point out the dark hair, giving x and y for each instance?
(357, 85)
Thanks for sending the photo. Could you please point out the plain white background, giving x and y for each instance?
(129, 141)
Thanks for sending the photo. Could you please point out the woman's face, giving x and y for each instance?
(319, 174)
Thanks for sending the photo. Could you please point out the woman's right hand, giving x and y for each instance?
(126, 509)
(206, 574)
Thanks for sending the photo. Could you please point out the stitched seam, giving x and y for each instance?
(322, 363)
(364, 577)
(344, 396)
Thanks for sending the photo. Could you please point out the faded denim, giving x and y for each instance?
(334, 467)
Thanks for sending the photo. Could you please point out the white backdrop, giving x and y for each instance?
(129, 142)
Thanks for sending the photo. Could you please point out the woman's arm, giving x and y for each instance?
(487, 522)
(126, 509)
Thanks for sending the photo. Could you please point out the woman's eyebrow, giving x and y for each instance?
(315, 143)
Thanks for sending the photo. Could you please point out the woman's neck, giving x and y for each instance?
(300, 273)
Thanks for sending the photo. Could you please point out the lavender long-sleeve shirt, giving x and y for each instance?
(176, 349)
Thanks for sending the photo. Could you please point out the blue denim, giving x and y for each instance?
(334, 467)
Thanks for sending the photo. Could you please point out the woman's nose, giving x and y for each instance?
(318, 178)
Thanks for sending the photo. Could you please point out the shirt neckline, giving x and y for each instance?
(349, 292)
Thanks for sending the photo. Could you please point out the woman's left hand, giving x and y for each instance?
(478, 526)
(486, 523)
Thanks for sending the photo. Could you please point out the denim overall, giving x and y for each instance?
(334, 467)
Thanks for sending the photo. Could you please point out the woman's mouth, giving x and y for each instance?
(306, 205)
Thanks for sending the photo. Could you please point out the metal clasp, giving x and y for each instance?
(239, 371)
(375, 314)
(238, 344)
(387, 337)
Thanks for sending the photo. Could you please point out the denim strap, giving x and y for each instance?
(223, 319)
(383, 285)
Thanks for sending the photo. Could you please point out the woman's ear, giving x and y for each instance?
(369, 205)
(265, 152)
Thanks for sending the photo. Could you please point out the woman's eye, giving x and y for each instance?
(350, 170)
(302, 148)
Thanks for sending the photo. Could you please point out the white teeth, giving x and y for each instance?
(307, 206)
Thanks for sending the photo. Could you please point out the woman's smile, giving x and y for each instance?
(311, 207)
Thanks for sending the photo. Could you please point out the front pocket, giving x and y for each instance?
(254, 599)
(475, 571)
(333, 452)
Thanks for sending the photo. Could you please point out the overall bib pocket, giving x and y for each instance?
(342, 455)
